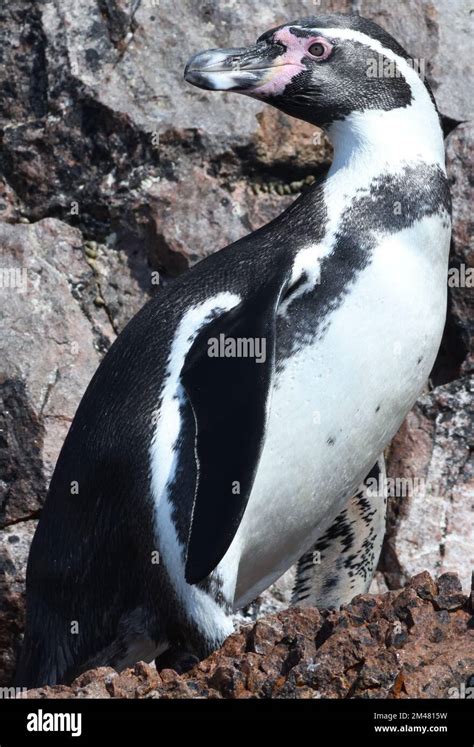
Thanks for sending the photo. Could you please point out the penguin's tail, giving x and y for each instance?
(41, 662)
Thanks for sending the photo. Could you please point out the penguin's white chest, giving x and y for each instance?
(337, 402)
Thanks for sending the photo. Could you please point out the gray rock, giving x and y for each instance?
(438, 34)
(49, 349)
(459, 150)
(132, 57)
(14, 547)
(430, 520)
(106, 139)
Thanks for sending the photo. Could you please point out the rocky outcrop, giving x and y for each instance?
(431, 465)
(115, 176)
(459, 150)
(15, 543)
(417, 643)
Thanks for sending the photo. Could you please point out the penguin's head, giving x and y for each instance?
(319, 69)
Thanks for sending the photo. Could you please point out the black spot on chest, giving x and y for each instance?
(390, 204)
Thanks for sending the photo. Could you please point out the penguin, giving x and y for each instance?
(342, 562)
(226, 432)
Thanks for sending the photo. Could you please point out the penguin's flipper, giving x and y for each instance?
(229, 399)
(342, 562)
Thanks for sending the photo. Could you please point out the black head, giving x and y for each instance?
(319, 69)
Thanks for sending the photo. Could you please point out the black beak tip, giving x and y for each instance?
(196, 78)
(193, 70)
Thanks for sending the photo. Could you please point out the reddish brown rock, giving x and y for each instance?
(395, 645)
(96, 683)
(275, 139)
(145, 679)
(424, 585)
(450, 595)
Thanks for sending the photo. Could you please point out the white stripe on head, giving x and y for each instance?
(366, 144)
(405, 68)
(422, 134)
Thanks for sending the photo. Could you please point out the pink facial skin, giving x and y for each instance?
(290, 63)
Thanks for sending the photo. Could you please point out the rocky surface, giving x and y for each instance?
(431, 465)
(415, 643)
(460, 146)
(115, 176)
(14, 547)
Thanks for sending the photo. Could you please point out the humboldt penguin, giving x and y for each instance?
(227, 432)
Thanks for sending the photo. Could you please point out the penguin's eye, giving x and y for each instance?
(320, 49)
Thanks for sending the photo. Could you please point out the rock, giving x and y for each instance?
(10, 205)
(370, 649)
(432, 472)
(180, 244)
(424, 585)
(460, 171)
(93, 135)
(450, 595)
(379, 584)
(264, 637)
(122, 74)
(105, 139)
(145, 679)
(14, 547)
(274, 142)
(48, 356)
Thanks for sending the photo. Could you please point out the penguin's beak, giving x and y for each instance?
(242, 69)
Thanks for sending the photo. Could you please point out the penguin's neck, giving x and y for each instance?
(375, 141)
(371, 145)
